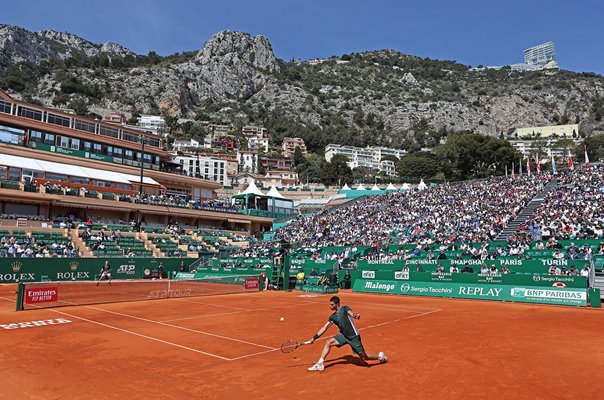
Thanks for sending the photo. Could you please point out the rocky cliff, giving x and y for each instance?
(381, 97)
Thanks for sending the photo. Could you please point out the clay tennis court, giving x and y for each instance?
(227, 347)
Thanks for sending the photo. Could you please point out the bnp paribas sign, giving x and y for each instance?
(554, 295)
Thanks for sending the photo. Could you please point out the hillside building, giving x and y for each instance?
(370, 157)
(289, 146)
(569, 131)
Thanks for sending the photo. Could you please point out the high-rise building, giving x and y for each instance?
(209, 168)
(540, 54)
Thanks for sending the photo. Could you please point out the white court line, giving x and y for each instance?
(181, 327)
(201, 316)
(379, 308)
(360, 329)
(234, 312)
(389, 308)
(141, 335)
(391, 305)
(426, 313)
(252, 354)
(208, 304)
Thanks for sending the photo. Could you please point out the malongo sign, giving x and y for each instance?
(554, 295)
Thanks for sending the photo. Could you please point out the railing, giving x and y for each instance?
(6, 184)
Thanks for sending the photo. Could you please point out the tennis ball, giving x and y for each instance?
(281, 319)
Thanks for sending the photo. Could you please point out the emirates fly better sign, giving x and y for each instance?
(46, 294)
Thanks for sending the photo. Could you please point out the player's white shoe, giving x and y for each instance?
(382, 357)
(317, 367)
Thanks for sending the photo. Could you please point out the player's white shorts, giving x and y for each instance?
(105, 274)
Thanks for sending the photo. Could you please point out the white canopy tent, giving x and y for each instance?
(375, 188)
(253, 189)
(391, 187)
(422, 185)
(273, 192)
(345, 187)
(405, 186)
(255, 202)
(361, 187)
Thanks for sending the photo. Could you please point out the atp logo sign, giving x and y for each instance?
(126, 269)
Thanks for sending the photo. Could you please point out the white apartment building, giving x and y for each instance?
(388, 167)
(530, 147)
(210, 168)
(251, 130)
(179, 145)
(151, 122)
(540, 54)
(570, 131)
(257, 143)
(369, 156)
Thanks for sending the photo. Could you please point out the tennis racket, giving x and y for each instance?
(290, 345)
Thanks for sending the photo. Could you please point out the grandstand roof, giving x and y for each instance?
(63, 169)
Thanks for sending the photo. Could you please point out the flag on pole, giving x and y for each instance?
(528, 166)
(554, 165)
(520, 168)
(570, 161)
(587, 164)
(538, 165)
(506, 171)
(513, 176)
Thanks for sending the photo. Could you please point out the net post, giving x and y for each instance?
(20, 290)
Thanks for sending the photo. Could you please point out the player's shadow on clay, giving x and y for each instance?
(349, 360)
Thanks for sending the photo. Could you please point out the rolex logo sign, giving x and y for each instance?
(16, 266)
(73, 265)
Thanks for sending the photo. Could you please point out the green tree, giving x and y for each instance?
(363, 174)
(170, 124)
(79, 105)
(595, 147)
(133, 120)
(312, 170)
(416, 166)
(337, 170)
(469, 155)
(299, 159)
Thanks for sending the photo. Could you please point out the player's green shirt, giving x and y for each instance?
(344, 322)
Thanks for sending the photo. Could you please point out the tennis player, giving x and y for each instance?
(343, 317)
(105, 273)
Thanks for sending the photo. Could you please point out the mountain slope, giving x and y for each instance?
(380, 97)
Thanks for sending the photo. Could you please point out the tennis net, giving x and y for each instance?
(36, 295)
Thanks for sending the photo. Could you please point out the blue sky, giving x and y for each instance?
(470, 32)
